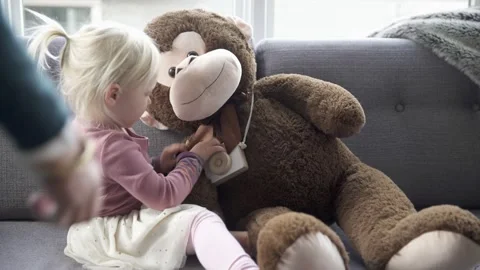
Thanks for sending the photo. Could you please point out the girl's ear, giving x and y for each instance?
(111, 95)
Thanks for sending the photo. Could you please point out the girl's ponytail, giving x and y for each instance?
(93, 58)
(41, 37)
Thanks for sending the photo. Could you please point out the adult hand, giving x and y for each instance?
(72, 194)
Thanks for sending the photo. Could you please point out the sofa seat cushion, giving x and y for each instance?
(36, 245)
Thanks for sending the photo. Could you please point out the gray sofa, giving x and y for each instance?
(423, 126)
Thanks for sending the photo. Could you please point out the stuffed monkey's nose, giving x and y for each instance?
(185, 63)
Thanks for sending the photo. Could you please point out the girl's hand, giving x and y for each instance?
(168, 157)
(205, 149)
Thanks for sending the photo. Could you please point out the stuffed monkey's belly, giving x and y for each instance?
(288, 166)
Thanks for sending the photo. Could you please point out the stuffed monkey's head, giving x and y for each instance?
(206, 61)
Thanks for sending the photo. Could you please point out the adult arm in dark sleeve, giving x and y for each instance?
(37, 121)
(29, 109)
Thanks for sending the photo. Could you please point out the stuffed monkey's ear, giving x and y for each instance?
(246, 28)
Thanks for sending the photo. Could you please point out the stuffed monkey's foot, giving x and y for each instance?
(439, 237)
(298, 241)
(437, 250)
(312, 251)
(380, 221)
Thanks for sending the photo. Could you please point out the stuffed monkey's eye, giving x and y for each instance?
(194, 53)
(171, 72)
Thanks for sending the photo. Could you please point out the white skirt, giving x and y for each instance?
(144, 239)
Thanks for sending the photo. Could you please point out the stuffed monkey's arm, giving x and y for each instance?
(331, 108)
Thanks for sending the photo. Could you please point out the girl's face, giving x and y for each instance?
(128, 105)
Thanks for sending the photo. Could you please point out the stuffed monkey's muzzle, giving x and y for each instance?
(204, 83)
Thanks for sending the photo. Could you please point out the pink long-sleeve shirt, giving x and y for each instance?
(130, 175)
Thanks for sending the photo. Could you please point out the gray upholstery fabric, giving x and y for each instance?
(34, 246)
(15, 182)
(39, 246)
(422, 114)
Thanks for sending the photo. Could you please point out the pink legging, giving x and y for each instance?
(214, 245)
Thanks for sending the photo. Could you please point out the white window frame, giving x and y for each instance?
(94, 5)
(13, 14)
(474, 3)
(259, 14)
(15, 8)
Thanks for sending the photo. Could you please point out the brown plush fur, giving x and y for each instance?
(298, 162)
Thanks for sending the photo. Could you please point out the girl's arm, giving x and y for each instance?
(123, 162)
(166, 161)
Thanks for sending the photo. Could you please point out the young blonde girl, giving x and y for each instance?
(107, 74)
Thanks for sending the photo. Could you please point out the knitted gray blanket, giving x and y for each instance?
(453, 36)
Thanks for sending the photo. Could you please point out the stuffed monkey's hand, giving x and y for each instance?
(330, 107)
(168, 157)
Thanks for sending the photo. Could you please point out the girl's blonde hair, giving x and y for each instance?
(95, 57)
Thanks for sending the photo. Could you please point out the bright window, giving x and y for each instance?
(323, 19)
(299, 19)
(72, 14)
(72, 18)
(138, 13)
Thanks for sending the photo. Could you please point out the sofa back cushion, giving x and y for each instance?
(422, 115)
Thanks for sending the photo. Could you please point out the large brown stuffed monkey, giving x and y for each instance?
(301, 177)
